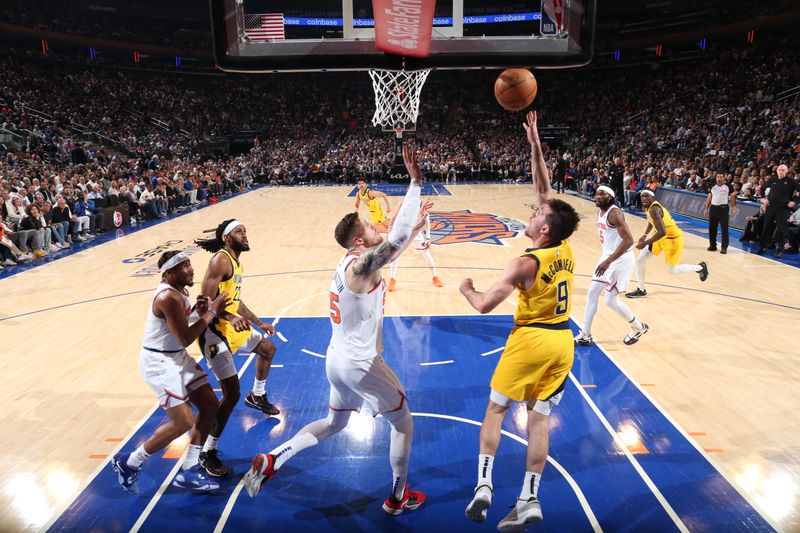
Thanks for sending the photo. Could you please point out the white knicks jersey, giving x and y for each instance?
(609, 236)
(157, 336)
(356, 319)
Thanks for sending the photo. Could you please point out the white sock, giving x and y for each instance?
(138, 457)
(211, 443)
(680, 269)
(429, 258)
(644, 255)
(592, 298)
(485, 464)
(636, 324)
(310, 435)
(192, 456)
(400, 449)
(259, 387)
(530, 488)
(393, 268)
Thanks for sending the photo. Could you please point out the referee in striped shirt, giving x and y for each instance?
(720, 205)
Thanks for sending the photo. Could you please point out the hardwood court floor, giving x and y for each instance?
(721, 358)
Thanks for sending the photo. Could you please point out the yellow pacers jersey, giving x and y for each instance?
(376, 214)
(233, 286)
(670, 226)
(548, 301)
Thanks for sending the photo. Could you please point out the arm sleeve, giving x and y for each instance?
(406, 216)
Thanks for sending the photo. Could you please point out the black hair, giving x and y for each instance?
(215, 244)
(346, 230)
(563, 219)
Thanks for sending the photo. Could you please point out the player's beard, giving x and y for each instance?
(606, 205)
(239, 247)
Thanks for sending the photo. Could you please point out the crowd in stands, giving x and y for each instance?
(80, 138)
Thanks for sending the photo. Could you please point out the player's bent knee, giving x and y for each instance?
(545, 407)
(338, 420)
(266, 350)
(401, 419)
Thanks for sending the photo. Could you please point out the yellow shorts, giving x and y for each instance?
(672, 247)
(535, 363)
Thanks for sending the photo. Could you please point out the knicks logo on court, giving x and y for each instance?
(458, 227)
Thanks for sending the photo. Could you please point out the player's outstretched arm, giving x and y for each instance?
(516, 273)
(390, 249)
(539, 172)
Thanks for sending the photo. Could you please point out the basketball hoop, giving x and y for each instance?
(397, 95)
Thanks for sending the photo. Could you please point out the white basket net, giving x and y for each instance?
(397, 96)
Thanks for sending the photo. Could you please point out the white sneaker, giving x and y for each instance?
(481, 500)
(9, 263)
(523, 514)
(66, 245)
(634, 336)
(581, 340)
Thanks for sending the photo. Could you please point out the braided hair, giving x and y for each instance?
(216, 243)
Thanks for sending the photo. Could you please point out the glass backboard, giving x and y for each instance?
(320, 35)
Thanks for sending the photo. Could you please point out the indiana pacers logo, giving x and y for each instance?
(458, 227)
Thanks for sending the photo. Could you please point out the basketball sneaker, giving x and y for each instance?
(214, 467)
(126, 475)
(261, 471)
(392, 284)
(633, 337)
(195, 479)
(582, 340)
(703, 271)
(638, 293)
(411, 500)
(261, 403)
(523, 514)
(481, 500)
(437, 282)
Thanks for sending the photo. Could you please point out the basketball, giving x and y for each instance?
(515, 88)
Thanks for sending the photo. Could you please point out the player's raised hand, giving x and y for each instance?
(424, 209)
(531, 129)
(412, 165)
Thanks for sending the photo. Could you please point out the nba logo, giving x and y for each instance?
(552, 21)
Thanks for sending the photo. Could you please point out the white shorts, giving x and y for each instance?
(219, 357)
(618, 275)
(369, 383)
(173, 376)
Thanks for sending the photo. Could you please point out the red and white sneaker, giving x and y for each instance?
(262, 470)
(410, 501)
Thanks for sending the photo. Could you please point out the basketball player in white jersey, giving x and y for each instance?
(422, 242)
(613, 271)
(357, 374)
(174, 376)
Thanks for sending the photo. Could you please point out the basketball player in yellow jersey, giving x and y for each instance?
(538, 355)
(229, 332)
(376, 214)
(668, 238)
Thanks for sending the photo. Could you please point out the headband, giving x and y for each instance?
(606, 189)
(174, 261)
(231, 226)
(648, 192)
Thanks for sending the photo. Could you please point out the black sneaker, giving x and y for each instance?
(261, 403)
(760, 251)
(213, 465)
(779, 254)
(638, 293)
(633, 337)
(724, 251)
(704, 271)
(712, 248)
